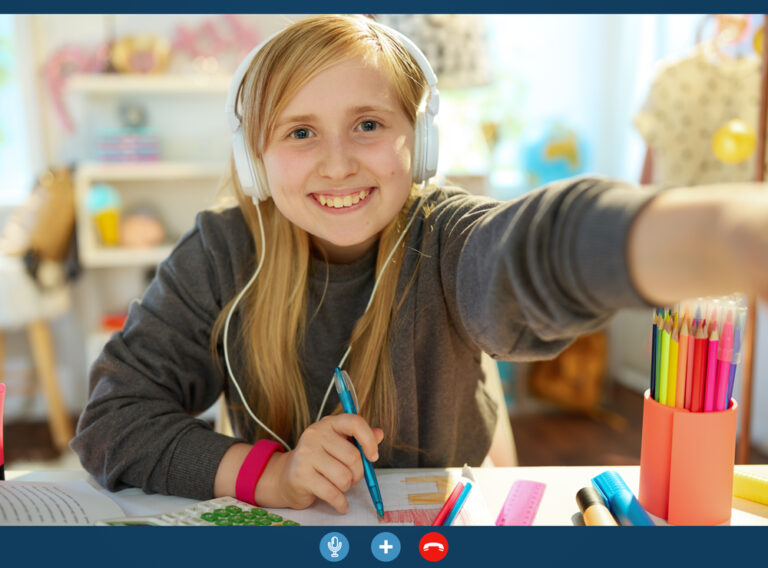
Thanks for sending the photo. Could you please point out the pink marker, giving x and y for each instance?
(724, 364)
(711, 376)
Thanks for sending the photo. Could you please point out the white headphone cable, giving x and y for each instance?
(346, 353)
(370, 301)
(226, 331)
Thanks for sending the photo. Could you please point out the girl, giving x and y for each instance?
(339, 254)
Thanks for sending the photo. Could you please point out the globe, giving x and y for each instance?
(551, 151)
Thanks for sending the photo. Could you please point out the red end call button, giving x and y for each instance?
(433, 547)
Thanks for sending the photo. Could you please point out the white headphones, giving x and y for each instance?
(424, 167)
(425, 145)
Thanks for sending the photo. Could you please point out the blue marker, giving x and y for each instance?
(348, 404)
(621, 501)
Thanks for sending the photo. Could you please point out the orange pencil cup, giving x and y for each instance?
(686, 463)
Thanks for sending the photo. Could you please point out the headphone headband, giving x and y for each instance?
(425, 136)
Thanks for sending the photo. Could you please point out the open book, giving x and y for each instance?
(68, 503)
(410, 498)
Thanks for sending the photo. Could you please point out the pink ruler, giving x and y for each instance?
(521, 504)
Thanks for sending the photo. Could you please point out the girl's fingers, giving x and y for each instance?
(337, 472)
(347, 454)
(328, 492)
(356, 427)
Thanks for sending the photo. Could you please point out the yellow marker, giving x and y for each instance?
(750, 487)
(664, 363)
(674, 346)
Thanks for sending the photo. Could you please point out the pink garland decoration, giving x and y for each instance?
(65, 62)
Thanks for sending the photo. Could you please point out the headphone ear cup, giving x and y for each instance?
(425, 148)
(417, 171)
(431, 147)
(245, 167)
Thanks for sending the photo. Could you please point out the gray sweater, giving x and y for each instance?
(518, 280)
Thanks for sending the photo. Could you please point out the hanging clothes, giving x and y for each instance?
(689, 100)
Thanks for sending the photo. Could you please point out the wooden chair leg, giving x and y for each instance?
(59, 419)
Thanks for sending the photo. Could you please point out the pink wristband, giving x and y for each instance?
(252, 468)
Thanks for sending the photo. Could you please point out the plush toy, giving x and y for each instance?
(142, 228)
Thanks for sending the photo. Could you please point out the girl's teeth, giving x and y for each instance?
(346, 201)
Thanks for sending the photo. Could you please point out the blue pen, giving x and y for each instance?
(348, 404)
(621, 501)
(459, 504)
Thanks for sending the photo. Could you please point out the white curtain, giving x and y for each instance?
(592, 71)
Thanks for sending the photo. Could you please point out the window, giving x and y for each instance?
(556, 67)
(17, 129)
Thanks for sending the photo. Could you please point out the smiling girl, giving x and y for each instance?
(339, 253)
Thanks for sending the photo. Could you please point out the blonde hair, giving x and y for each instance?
(274, 310)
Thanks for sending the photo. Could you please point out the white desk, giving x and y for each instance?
(558, 505)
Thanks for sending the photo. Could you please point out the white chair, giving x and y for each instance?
(24, 305)
(503, 452)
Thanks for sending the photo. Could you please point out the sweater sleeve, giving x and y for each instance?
(138, 428)
(536, 272)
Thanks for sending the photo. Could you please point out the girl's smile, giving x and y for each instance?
(339, 159)
(344, 201)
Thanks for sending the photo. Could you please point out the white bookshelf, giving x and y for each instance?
(114, 257)
(121, 84)
(186, 113)
(170, 180)
(138, 171)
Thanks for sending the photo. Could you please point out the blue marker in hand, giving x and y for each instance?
(348, 404)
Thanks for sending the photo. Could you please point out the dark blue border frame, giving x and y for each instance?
(467, 546)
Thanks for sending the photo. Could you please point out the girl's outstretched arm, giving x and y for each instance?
(702, 241)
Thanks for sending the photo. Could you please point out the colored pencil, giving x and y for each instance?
(724, 357)
(445, 510)
(710, 379)
(734, 363)
(664, 376)
(459, 504)
(657, 375)
(674, 347)
(654, 328)
(682, 360)
(689, 368)
(699, 369)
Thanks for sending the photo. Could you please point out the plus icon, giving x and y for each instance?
(385, 547)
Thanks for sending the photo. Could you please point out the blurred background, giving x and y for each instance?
(112, 137)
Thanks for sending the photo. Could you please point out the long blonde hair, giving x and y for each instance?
(274, 310)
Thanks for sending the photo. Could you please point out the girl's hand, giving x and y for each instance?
(325, 464)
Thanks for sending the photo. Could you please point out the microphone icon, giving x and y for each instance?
(334, 545)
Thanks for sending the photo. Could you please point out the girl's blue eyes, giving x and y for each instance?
(369, 125)
(304, 133)
(301, 133)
